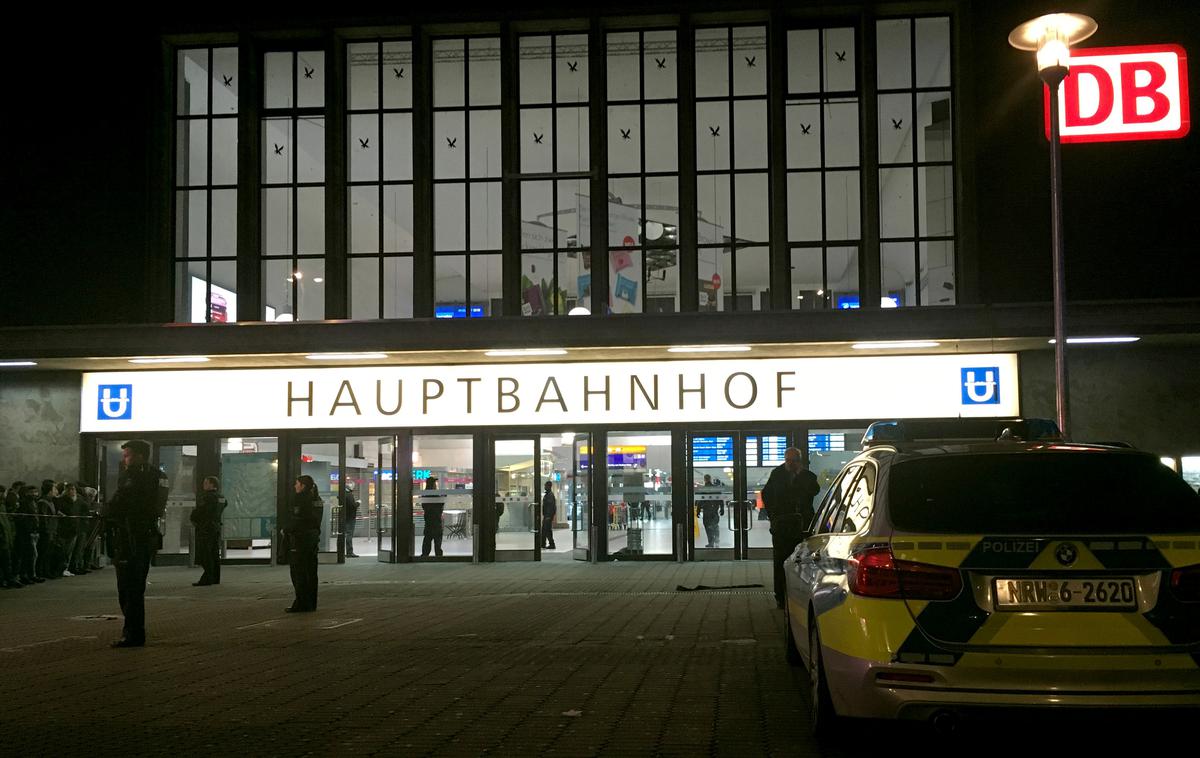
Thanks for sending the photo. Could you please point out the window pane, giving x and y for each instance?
(893, 43)
(449, 72)
(364, 288)
(277, 221)
(537, 141)
(933, 52)
(224, 223)
(485, 71)
(624, 75)
(485, 144)
(449, 145)
(538, 286)
(537, 215)
(534, 61)
(364, 219)
(573, 197)
(840, 60)
(191, 161)
(223, 297)
(310, 289)
(192, 82)
(449, 217)
(486, 211)
(753, 277)
(362, 145)
(571, 62)
(807, 279)
(362, 61)
(712, 62)
(750, 134)
(804, 56)
(310, 218)
(713, 203)
(277, 150)
(709, 277)
(841, 276)
(572, 142)
(191, 223)
(310, 138)
(895, 129)
(277, 80)
(225, 81)
(712, 135)
(277, 290)
(191, 289)
(398, 218)
(662, 280)
(449, 281)
(937, 273)
(397, 74)
(397, 146)
(933, 112)
(486, 289)
(662, 137)
(625, 281)
(751, 207)
(310, 79)
(842, 220)
(397, 287)
(624, 211)
(937, 201)
(749, 60)
(841, 133)
(661, 209)
(803, 134)
(804, 206)
(659, 65)
(225, 151)
(624, 139)
(896, 202)
(896, 262)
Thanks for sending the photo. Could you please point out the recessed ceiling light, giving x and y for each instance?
(345, 356)
(529, 351)
(1096, 340)
(8, 364)
(173, 359)
(709, 349)
(892, 345)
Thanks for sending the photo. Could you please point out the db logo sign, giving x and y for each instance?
(1123, 93)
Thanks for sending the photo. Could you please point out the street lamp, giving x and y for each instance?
(1052, 36)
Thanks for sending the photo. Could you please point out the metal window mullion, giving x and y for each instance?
(337, 243)
(824, 173)
(554, 170)
(912, 62)
(779, 259)
(423, 211)
(510, 167)
(869, 257)
(382, 287)
(208, 284)
(687, 228)
(249, 189)
(598, 150)
(467, 174)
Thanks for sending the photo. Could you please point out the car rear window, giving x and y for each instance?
(1041, 493)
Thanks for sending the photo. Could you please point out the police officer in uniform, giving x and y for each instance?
(549, 509)
(349, 518)
(132, 518)
(788, 496)
(433, 506)
(206, 517)
(304, 535)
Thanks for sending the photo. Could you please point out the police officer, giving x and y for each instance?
(788, 496)
(549, 508)
(433, 506)
(206, 517)
(303, 535)
(132, 516)
(349, 518)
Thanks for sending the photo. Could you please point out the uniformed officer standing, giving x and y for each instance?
(349, 518)
(206, 517)
(788, 496)
(304, 535)
(433, 506)
(132, 517)
(549, 509)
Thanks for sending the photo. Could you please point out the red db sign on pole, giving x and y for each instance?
(1118, 94)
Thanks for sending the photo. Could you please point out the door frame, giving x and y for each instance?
(519, 554)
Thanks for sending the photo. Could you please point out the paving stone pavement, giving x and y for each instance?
(565, 659)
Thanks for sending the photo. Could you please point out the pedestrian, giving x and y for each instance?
(25, 528)
(303, 535)
(433, 505)
(549, 508)
(48, 548)
(132, 517)
(206, 518)
(788, 496)
(349, 518)
(8, 541)
(68, 528)
(710, 512)
(83, 525)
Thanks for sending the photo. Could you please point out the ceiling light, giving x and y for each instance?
(709, 349)
(173, 359)
(345, 356)
(318, 279)
(1096, 340)
(892, 345)
(8, 364)
(529, 351)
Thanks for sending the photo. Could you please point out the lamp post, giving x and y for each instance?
(1051, 36)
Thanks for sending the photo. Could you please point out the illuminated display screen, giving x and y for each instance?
(712, 451)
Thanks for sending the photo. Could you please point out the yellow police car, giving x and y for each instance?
(1006, 568)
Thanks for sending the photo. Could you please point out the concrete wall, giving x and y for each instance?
(39, 426)
(1146, 396)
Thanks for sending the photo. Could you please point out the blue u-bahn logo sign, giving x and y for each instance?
(115, 402)
(981, 386)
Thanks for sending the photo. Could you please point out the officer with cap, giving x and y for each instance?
(132, 516)
(207, 519)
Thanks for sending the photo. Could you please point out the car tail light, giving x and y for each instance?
(1185, 583)
(875, 573)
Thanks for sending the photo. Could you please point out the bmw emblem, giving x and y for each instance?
(1066, 554)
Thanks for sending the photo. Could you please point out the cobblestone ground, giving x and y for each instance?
(505, 659)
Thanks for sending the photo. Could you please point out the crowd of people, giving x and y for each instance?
(47, 532)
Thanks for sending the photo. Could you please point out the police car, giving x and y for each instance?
(1003, 568)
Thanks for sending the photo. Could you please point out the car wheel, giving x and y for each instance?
(821, 712)
(791, 651)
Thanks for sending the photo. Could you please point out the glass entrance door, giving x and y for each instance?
(368, 497)
(580, 500)
(323, 460)
(443, 489)
(518, 481)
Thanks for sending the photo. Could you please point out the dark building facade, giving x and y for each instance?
(438, 261)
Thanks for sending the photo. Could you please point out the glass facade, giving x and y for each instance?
(467, 167)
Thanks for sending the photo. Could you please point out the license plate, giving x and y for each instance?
(1065, 594)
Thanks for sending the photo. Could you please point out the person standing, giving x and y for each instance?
(68, 528)
(25, 526)
(788, 496)
(48, 548)
(549, 509)
(711, 512)
(349, 518)
(8, 577)
(434, 506)
(132, 516)
(206, 517)
(303, 536)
